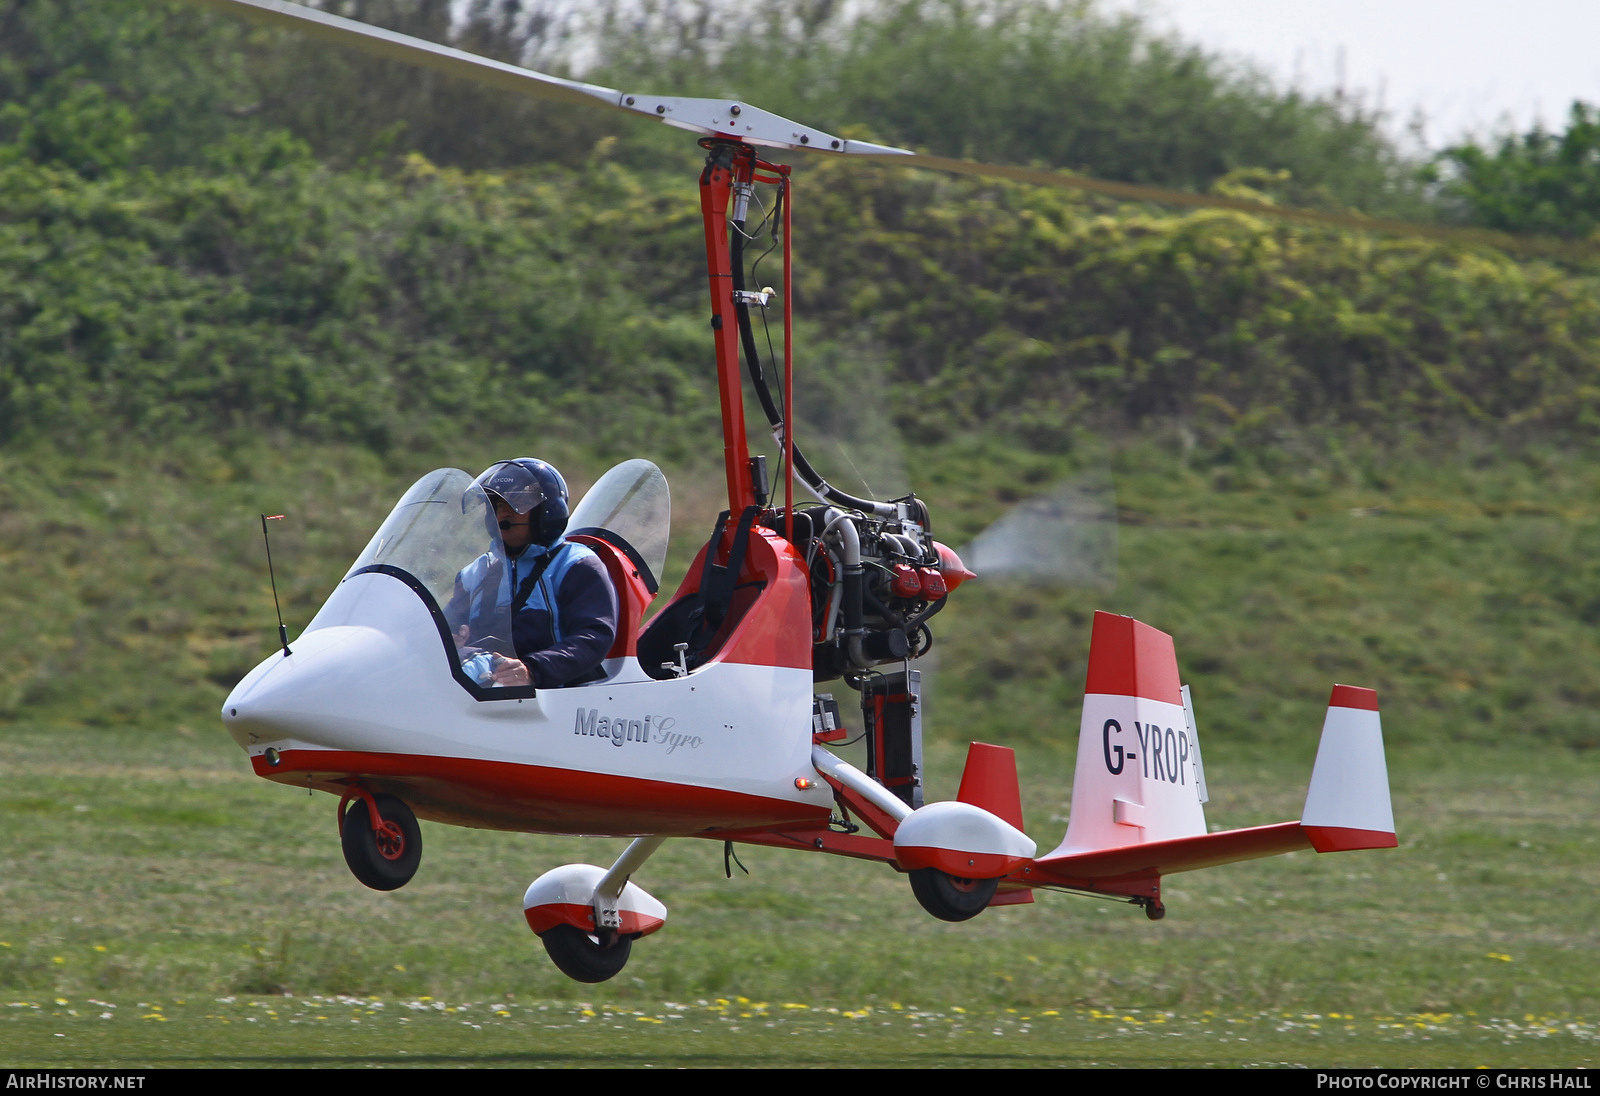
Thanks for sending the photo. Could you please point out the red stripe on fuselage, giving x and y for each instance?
(502, 795)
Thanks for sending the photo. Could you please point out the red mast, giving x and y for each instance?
(728, 166)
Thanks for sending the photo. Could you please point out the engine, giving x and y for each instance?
(876, 581)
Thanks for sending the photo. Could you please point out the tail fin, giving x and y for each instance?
(1347, 806)
(1136, 777)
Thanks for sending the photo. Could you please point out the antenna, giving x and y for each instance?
(283, 633)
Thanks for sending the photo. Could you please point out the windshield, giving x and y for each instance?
(443, 539)
(438, 527)
(632, 501)
(443, 535)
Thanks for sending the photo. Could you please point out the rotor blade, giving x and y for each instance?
(1138, 192)
(740, 121)
(417, 51)
(710, 117)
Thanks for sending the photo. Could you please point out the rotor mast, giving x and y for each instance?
(730, 165)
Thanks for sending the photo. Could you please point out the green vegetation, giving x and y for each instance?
(269, 290)
(212, 274)
(274, 292)
(1533, 182)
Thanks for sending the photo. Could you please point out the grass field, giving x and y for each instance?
(163, 907)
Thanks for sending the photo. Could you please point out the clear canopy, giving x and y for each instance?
(444, 535)
(438, 527)
(632, 501)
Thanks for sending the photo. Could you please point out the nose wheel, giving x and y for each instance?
(592, 945)
(383, 856)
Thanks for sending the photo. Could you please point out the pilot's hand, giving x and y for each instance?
(510, 671)
(461, 637)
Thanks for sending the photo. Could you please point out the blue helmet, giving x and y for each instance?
(530, 486)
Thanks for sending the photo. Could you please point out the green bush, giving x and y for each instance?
(1539, 181)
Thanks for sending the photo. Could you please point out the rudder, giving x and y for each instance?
(1135, 778)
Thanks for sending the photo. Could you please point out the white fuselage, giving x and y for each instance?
(368, 694)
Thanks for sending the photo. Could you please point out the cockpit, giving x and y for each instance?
(445, 527)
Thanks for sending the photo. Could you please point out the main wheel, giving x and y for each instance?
(386, 859)
(949, 897)
(586, 958)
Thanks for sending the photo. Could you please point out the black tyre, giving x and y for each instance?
(950, 898)
(384, 860)
(586, 958)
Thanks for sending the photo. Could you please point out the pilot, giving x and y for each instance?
(556, 594)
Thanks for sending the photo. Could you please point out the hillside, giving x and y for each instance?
(1457, 581)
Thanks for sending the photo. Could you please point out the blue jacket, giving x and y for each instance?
(567, 618)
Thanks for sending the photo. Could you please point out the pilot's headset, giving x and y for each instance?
(532, 487)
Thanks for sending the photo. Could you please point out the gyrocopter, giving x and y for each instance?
(706, 722)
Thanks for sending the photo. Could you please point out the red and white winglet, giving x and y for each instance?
(1348, 806)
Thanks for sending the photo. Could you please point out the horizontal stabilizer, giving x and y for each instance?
(1180, 854)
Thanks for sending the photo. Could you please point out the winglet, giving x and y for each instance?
(1347, 806)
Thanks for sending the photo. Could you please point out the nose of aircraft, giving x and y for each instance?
(321, 694)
